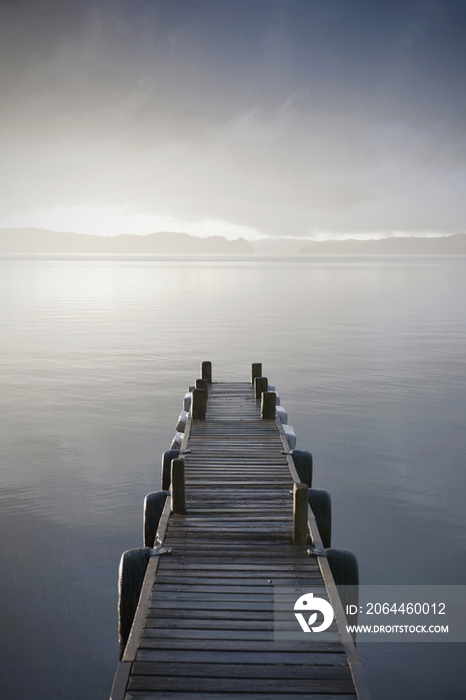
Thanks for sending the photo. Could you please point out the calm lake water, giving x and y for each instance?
(368, 355)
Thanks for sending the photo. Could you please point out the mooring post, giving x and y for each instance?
(256, 371)
(260, 384)
(300, 519)
(206, 371)
(268, 404)
(178, 491)
(199, 404)
(202, 384)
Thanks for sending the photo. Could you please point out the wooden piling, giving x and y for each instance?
(268, 405)
(260, 384)
(202, 384)
(300, 513)
(178, 490)
(206, 371)
(199, 404)
(256, 371)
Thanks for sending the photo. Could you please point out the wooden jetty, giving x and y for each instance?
(230, 532)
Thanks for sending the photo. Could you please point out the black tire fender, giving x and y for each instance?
(153, 507)
(321, 505)
(345, 570)
(344, 566)
(303, 463)
(167, 457)
(133, 565)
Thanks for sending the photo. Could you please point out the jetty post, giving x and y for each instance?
(178, 489)
(260, 384)
(206, 371)
(256, 371)
(300, 513)
(199, 404)
(203, 384)
(268, 405)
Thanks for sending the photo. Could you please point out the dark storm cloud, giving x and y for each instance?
(281, 115)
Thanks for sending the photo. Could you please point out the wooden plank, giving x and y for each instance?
(258, 592)
(218, 508)
(231, 645)
(234, 477)
(211, 469)
(242, 656)
(204, 614)
(245, 550)
(261, 685)
(264, 521)
(240, 443)
(265, 573)
(215, 519)
(187, 604)
(215, 514)
(292, 671)
(242, 495)
(219, 615)
(170, 695)
(211, 620)
(219, 622)
(260, 528)
(203, 558)
(209, 635)
(272, 573)
(231, 581)
(191, 538)
(265, 530)
(238, 461)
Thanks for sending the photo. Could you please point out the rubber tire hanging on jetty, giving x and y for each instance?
(167, 457)
(321, 505)
(344, 566)
(303, 463)
(345, 571)
(153, 507)
(133, 565)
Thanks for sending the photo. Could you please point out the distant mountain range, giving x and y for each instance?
(441, 245)
(454, 244)
(36, 241)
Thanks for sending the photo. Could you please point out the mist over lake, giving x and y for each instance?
(367, 355)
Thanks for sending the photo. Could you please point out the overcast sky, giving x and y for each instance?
(304, 118)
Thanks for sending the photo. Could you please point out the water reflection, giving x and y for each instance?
(368, 357)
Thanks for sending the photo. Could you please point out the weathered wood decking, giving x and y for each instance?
(204, 625)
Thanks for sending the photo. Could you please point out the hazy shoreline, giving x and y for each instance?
(35, 241)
